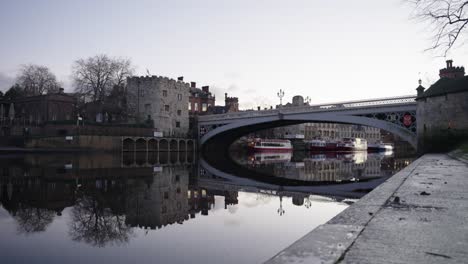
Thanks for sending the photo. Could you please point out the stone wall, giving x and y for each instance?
(442, 121)
(103, 143)
(162, 100)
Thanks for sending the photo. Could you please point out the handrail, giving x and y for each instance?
(318, 107)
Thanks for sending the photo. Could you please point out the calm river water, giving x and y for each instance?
(174, 208)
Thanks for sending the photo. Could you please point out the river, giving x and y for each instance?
(175, 207)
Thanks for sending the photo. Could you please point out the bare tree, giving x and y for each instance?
(37, 79)
(94, 223)
(448, 20)
(94, 77)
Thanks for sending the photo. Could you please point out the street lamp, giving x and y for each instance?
(281, 95)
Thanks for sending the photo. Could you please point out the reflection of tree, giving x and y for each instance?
(32, 219)
(97, 225)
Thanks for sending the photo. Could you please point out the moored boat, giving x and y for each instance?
(271, 145)
(321, 145)
(380, 146)
(352, 144)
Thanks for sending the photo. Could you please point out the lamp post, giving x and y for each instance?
(281, 211)
(281, 95)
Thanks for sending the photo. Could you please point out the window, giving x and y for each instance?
(189, 106)
(147, 108)
(177, 124)
(196, 106)
(165, 93)
(179, 97)
(179, 112)
(204, 107)
(166, 108)
(166, 195)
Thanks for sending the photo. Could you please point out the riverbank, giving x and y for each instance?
(417, 216)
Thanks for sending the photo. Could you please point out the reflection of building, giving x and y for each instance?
(332, 168)
(161, 202)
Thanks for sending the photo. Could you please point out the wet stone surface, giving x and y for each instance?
(417, 216)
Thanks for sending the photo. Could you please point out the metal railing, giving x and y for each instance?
(400, 100)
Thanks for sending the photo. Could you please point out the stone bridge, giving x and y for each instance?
(396, 115)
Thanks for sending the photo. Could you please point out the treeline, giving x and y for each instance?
(94, 78)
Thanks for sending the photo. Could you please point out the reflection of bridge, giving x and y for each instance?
(212, 178)
(396, 115)
(154, 144)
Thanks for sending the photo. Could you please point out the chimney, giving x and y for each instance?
(181, 78)
(206, 89)
(449, 64)
(225, 96)
(452, 72)
(193, 84)
(258, 108)
(420, 89)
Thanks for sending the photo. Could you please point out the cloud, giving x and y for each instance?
(232, 75)
(6, 81)
(256, 101)
(233, 87)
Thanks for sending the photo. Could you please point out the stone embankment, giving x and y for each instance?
(417, 216)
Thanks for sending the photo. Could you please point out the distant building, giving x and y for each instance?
(159, 100)
(201, 100)
(326, 131)
(231, 104)
(442, 110)
(40, 109)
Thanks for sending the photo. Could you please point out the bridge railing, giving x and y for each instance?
(311, 108)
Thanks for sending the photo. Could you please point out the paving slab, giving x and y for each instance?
(420, 215)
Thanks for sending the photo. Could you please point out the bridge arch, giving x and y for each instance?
(231, 131)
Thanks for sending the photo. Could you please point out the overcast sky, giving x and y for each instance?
(329, 50)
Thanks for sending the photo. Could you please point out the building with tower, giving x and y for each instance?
(442, 111)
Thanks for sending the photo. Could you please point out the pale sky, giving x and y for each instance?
(331, 50)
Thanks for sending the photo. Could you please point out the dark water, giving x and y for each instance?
(174, 208)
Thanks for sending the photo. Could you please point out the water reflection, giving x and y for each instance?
(107, 199)
(327, 167)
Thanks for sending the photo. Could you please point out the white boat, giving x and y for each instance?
(352, 144)
(271, 157)
(380, 146)
(270, 145)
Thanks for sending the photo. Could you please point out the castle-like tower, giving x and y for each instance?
(231, 103)
(159, 100)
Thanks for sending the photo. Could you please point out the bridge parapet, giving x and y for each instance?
(338, 106)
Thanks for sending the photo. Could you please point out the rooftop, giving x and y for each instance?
(446, 86)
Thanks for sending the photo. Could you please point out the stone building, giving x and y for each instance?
(44, 108)
(326, 131)
(336, 132)
(159, 100)
(442, 110)
(231, 104)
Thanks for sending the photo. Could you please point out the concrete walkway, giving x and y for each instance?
(420, 215)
